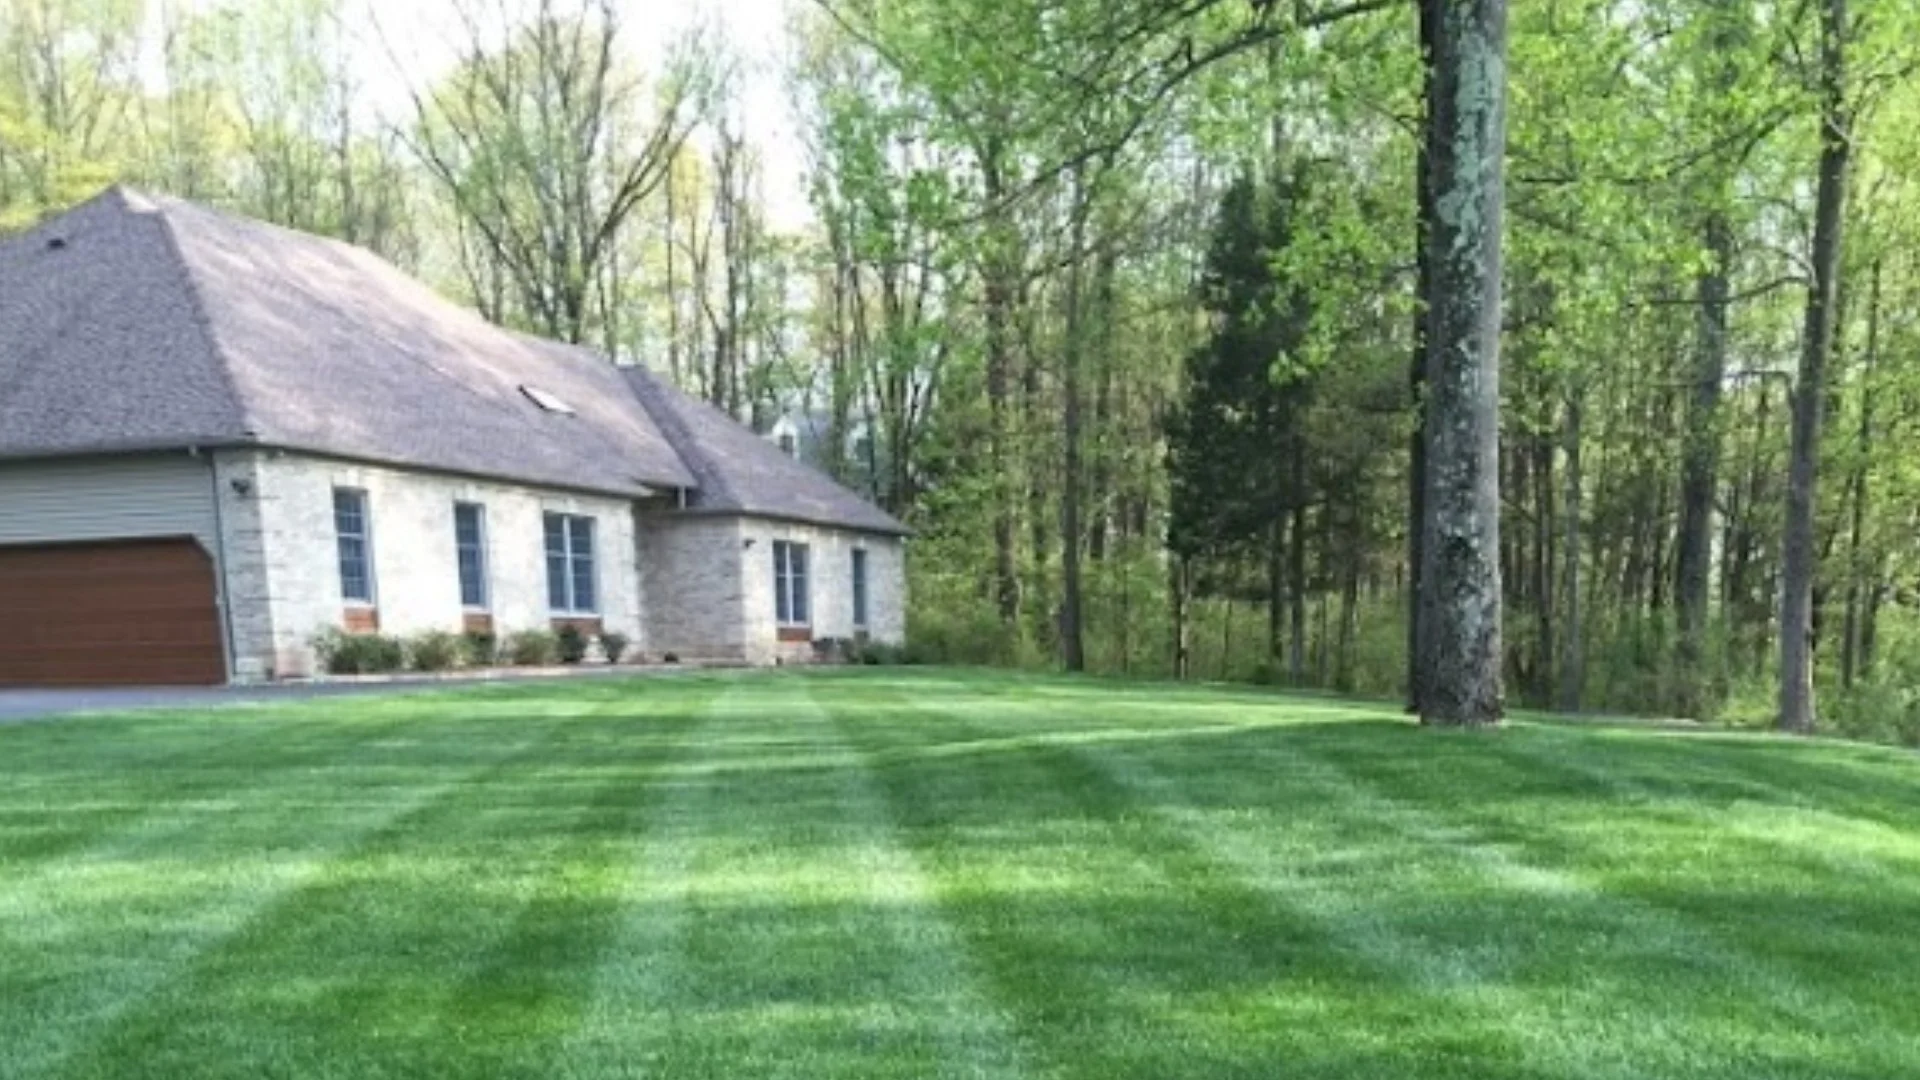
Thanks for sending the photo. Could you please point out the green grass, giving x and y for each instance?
(935, 874)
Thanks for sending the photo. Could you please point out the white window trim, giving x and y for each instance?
(806, 578)
(566, 540)
(372, 600)
(486, 559)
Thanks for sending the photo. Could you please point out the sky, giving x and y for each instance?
(409, 43)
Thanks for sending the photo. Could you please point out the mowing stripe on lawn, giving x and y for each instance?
(140, 935)
(347, 971)
(52, 806)
(1776, 1007)
(1120, 947)
(1681, 894)
(806, 945)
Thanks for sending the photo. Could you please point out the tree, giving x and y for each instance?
(544, 145)
(1810, 388)
(1460, 630)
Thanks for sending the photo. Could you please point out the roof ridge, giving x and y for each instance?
(196, 308)
(646, 388)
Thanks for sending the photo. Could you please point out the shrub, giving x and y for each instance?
(359, 654)
(876, 654)
(435, 650)
(532, 648)
(480, 648)
(614, 644)
(670, 658)
(571, 644)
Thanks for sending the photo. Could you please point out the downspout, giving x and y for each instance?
(220, 557)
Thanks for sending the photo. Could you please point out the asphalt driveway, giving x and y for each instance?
(19, 706)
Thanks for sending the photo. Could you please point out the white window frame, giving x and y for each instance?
(858, 570)
(365, 539)
(792, 589)
(571, 558)
(485, 602)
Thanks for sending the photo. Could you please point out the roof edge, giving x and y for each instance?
(197, 305)
(903, 531)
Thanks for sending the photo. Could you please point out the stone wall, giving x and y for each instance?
(285, 576)
(690, 569)
(698, 586)
(830, 587)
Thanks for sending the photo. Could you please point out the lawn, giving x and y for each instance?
(924, 874)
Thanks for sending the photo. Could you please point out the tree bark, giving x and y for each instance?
(1072, 645)
(1810, 393)
(1700, 465)
(1417, 367)
(1573, 660)
(1460, 582)
(1181, 590)
(1297, 568)
(1857, 580)
(999, 290)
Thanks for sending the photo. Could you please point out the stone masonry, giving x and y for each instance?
(699, 586)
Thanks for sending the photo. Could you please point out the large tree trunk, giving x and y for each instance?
(1810, 393)
(1417, 368)
(1460, 583)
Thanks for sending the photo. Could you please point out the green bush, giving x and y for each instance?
(888, 654)
(342, 653)
(614, 644)
(435, 650)
(532, 648)
(479, 648)
(571, 644)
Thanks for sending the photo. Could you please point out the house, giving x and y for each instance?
(219, 438)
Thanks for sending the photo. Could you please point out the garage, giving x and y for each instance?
(124, 612)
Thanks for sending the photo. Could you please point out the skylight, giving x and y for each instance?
(546, 400)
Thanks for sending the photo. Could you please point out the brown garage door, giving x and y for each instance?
(134, 612)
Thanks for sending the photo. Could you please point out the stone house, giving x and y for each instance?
(219, 438)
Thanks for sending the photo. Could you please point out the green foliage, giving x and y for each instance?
(479, 648)
(341, 653)
(532, 648)
(435, 650)
(570, 644)
(613, 644)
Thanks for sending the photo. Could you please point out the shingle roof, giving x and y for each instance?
(156, 323)
(139, 322)
(101, 344)
(738, 471)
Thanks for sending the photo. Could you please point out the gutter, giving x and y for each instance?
(220, 555)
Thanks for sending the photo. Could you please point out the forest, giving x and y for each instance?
(1489, 354)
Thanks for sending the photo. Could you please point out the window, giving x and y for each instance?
(548, 402)
(859, 587)
(470, 549)
(351, 528)
(570, 580)
(790, 583)
(788, 445)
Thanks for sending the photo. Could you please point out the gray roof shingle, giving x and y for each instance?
(740, 472)
(139, 322)
(162, 323)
